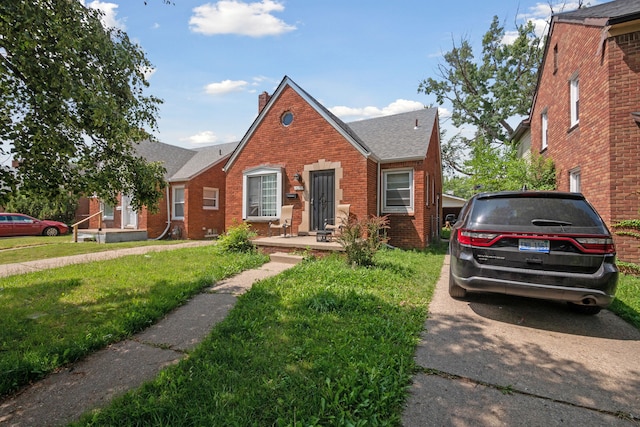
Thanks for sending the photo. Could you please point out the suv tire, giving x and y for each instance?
(454, 290)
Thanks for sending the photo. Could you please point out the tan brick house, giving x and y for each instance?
(586, 110)
(194, 201)
(298, 153)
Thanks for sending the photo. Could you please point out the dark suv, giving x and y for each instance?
(540, 244)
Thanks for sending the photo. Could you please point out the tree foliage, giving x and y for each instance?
(59, 209)
(488, 91)
(73, 104)
(484, 93)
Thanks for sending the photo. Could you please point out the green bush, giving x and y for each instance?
(445, 233)
(237, 239)
(361, 239)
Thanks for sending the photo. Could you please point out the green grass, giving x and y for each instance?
(22, 249)
(54, 317)
(627, 302)
(320, 344)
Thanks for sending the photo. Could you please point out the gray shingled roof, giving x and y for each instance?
(203, 158)
(182, 163)
(611, 10)
(396, 137)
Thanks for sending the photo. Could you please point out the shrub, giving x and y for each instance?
(237, 238)
(361, 239)
(445, 233)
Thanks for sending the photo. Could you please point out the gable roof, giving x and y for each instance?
(182, 164)
(388, 138)
(603, 14)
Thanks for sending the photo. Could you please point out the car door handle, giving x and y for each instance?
(536, 261)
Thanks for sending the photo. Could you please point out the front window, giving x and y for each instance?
(398, 190)
(545, 130)
(575, 100)
(210, 198)
(574, 181)
(262, 191)
(107, 211)
(178, 202)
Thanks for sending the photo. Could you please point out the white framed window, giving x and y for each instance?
(262, 193)
(397, 185)
(574, 94)
(574, 181)
(544, 129)
(107, 211)
(210, 197)
(178, 202)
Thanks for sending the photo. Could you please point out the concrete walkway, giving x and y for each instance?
(62, 397)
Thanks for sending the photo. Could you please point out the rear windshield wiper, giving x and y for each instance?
(549, 222)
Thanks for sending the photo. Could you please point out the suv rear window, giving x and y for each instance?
(520, 211)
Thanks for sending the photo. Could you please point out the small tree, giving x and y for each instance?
(361, 239)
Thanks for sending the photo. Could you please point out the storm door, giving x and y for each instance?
(322, 198)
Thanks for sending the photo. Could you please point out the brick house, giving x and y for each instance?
(194, 201)
(298, 153)
(586, 110)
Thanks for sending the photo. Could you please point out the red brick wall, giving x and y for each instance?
(307, 140)
(604, 145)
(422, 227)
(199, 220)
(624, 98)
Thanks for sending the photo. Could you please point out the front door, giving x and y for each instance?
(129, 215)
(322, 198)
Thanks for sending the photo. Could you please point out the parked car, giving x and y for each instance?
(539, 244)
(450, 219)
(15, 224)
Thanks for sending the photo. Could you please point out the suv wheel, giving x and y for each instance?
(454, 290)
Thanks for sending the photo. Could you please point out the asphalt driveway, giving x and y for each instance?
(498, 360)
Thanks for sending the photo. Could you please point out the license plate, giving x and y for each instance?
(531, 245)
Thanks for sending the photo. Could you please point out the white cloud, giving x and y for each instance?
(396, 107)
(148, 72)
(109, 18)
(236, 17)
(225, 86)
(205, 137)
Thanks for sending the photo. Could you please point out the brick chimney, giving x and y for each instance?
(15, 164)
(263, 99)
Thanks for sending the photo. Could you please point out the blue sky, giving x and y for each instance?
(359, 58)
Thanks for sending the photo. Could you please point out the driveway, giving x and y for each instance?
(503, 361)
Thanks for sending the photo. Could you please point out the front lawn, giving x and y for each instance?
(22, 249)
(627, 302)
(320, 344)
(57, 316)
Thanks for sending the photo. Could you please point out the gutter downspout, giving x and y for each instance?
(378, 195)
(164, 233)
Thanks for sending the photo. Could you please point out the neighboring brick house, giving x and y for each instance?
(586, 110)
(193, 205)
(297, 152)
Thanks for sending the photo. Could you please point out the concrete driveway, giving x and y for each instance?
(502, 361)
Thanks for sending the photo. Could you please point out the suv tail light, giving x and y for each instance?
(473, 238)
(599, 245)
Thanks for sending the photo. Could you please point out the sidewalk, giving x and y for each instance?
(64, 396)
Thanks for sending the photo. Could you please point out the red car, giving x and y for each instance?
(14, 224)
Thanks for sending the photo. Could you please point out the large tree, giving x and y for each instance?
(485, 92)
(73, 103)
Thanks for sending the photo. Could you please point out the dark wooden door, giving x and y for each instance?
(322, 198)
